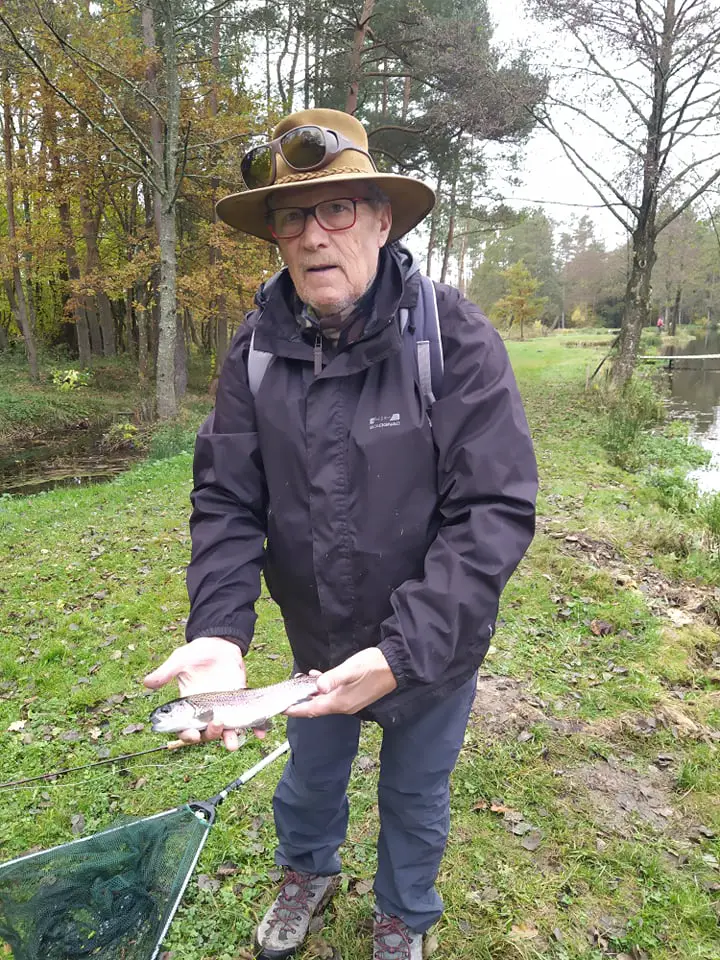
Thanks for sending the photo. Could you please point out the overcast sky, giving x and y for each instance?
(546, 174)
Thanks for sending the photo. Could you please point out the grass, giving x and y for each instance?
(606, 636)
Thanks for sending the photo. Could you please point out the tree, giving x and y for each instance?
(520, 303)
(651, 95)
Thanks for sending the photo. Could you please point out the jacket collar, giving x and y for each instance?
(396, 286)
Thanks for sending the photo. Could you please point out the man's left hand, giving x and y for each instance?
(359, 681)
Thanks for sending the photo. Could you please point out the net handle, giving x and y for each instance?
(208, 807)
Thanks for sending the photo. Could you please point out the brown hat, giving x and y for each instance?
(411, 200)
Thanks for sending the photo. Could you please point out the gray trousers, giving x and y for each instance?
(416, 760)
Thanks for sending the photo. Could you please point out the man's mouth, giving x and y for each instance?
(325, 268)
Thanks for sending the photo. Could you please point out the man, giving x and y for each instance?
(386, 530)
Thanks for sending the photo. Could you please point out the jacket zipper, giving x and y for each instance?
(317, 355)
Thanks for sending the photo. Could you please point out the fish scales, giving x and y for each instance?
(235, 709)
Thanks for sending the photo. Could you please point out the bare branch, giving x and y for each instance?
(674, 214)
(613, 79)
(202, 16)
(601, 126)
(583, 166)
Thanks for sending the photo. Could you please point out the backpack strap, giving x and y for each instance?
(425, 333)
(258, 362)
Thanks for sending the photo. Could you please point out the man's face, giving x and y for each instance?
(332, 270)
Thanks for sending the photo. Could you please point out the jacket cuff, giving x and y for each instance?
(230, 634)
(391, 649)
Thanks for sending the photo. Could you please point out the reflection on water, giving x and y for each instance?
(695, 396)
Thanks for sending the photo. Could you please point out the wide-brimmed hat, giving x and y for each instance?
(411, 200)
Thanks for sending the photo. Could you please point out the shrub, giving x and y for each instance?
(630, 409)
(674, 490)
(170, 439)
(121, 436)
(70, 379)
(710, 513)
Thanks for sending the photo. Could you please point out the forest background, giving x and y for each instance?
(123, 122)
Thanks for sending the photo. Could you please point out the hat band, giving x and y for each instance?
(325, 173)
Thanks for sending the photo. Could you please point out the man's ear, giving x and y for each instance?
(385, 224)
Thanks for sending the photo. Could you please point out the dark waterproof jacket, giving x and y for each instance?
(373, 525)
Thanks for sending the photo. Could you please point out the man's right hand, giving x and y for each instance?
(204, 665)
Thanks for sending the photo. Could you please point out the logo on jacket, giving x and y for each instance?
(379, 423)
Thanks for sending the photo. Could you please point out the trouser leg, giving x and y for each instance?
(416, 761)
(310, 803)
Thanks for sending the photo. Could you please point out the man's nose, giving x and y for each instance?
(313, 234)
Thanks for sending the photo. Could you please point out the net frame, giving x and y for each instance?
(204, 811)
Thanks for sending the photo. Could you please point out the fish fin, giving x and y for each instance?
(206, 716)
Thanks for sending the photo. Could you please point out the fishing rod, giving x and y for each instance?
(172, 745)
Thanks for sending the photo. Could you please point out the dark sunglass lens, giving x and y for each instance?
(256, 168)
(304, 148)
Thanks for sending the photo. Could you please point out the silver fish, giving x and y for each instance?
(235, 709)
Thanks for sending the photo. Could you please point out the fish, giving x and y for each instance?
(234, 709)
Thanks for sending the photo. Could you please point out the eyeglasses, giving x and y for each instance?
(303, 149)
(285, 223)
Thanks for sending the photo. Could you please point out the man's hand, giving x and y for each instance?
(359, 681)
(205, 665)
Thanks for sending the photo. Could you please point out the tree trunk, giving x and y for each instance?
(165, 166)
(361, 28)
(63, 207)
(407, 85)
(637, 294)
(21, 312)
(461, 263)
(637, 303)
(433, 226)
(675, 316)
(451, 228)
(93, 266)
(220, 311)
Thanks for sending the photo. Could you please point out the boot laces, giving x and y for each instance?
(291, 908)
(387, 926)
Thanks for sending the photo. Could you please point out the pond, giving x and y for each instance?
(695, 397)
(72, 458)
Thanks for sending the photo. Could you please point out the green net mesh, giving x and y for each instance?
(109, 897)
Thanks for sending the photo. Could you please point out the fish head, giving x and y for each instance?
(179, 715)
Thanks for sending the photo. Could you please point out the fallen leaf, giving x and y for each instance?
(133, 728)
(366, 764)
(533, 840)
(16, 726)
(557, 934)
(521, 828)
(227, 869)
(362, 887)
(430, 946)
(205, 882)
(524, 931)
(116, 654)
(524, 736)
(139, 783)
(77, 824)
(480, 805)
(95, 733)
(601, 628)
(320, 948)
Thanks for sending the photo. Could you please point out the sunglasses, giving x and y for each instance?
(303, 149)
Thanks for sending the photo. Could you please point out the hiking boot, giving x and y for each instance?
(284, 927)
(394, 940)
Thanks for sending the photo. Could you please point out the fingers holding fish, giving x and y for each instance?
(206, 663)
(348, 688)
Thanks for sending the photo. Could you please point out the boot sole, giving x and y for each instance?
(261, 953)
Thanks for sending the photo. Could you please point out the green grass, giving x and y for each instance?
(92, 596)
